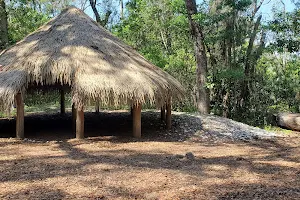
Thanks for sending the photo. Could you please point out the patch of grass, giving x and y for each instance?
(4, 115)
(277, 129)
(49, 107)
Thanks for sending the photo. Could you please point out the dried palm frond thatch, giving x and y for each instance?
(73, 50)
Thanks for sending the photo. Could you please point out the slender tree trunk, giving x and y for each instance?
(104, 21)
(3, 26)
(245, 94)
(226, 104)
(235, 16)
(259, 50)
(97, 15)
(121, 9)
(200, 54)
(229, 64)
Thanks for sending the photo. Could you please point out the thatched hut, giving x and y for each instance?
(72, 51)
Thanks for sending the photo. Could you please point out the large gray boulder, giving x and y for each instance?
(289, 121)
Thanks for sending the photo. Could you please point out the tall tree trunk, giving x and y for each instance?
(245, 94)
(228, 47)
(121, 9)
(226, 104)
(3, 26)
(200, 54)
(259, 50)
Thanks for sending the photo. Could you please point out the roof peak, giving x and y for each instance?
(71, 7)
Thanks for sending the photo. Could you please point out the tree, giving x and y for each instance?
(101, 20)
(234, 43)
(249, 67)
(25, 16)
(23, 19)
(3, 26)
(159, 30)
(121, 9)
(286, 30)
(196, 31)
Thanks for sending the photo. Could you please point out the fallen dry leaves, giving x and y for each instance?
(52, 165)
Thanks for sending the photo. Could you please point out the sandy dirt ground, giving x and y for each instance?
(109, 164)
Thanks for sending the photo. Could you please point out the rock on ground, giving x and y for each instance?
(218, 128)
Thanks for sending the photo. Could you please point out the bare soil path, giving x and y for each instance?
(189, 162)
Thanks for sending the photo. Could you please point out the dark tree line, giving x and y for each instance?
(231, 60)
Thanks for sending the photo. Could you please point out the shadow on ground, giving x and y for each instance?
(110, 164)
(57, 127)
(276, 180)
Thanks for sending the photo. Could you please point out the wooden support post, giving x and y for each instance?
(97, 109)
(73, 118)
(62, 101)
(20, 116)
(136, 116)
(80, 124)
(168, 117)
(163, 113)
(131, 111)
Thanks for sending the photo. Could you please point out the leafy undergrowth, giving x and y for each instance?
(279, 130)
(109, 164)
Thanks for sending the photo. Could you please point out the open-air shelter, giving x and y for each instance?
(73, 53)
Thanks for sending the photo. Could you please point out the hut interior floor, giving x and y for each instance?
(109, 164)
(56, 126)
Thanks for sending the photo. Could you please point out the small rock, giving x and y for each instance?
(255, 137)
(190, 156)
(179, 156)
(240, 158)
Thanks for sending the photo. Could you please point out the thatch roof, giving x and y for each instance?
(72, 49)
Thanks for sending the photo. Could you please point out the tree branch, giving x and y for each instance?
(97, 15)
(256, 8)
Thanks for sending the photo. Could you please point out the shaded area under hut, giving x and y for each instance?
(72, 53)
